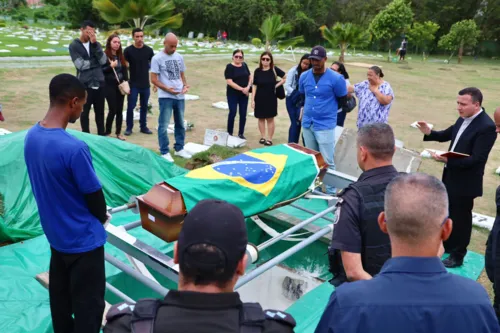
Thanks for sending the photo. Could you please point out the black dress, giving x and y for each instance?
(266, 102)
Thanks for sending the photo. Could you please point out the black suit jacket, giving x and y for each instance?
(464, 176)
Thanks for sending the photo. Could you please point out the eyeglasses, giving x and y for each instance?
(238, 57)
(265, 59)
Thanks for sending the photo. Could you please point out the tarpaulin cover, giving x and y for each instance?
(254, 181)
(24, 302)
(124, 169)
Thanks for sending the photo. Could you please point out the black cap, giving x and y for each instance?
(318, 52)
(217, 223)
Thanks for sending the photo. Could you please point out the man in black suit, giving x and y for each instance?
(472, 134)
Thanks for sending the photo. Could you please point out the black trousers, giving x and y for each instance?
(95, 97)
(76, 286)
(461, 215)
(115, 105)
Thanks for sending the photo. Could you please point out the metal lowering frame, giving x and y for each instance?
(142, 255)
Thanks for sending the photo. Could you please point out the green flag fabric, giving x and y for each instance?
(255, 181)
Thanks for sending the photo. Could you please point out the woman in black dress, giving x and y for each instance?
(264, 99)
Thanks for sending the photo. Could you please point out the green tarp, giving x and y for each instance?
(123, 168)
(254, 181)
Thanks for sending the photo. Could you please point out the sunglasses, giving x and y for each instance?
(265, 59)
(238, 57)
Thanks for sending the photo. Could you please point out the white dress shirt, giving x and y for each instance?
(465, 124)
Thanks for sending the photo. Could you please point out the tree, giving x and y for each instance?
(273, 29)
(422, 34)
(80, 10)
(344, 35)
(140, 12)
(462, 34)
(392, 21)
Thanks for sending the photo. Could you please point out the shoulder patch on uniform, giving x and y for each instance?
(281, 317)
(338, 210)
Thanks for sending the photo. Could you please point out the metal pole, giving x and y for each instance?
(132, 225)
(299, 226)
(119, 293)
(276, 260)
(136, 275)
(311, 212)
(122, 208)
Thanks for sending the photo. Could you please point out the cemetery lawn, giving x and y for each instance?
(423, 91)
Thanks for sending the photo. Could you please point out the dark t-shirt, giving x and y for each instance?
(139, 63)
(239, 75)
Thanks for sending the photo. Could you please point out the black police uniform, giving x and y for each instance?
(189, 312)
(356, 228)
(492, 257)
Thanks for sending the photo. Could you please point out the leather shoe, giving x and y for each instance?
(452, 262)
(146, 131)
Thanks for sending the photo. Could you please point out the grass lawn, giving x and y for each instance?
(424, 91)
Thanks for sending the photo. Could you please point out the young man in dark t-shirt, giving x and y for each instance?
(72, 210)
(139, 58)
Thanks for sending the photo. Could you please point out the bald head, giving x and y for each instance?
(415, 207)
(496, 116)
(170, 42)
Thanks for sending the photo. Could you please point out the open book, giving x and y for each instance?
(449, 154)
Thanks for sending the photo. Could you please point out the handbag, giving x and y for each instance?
(280, 91)
(350, 105)
(124, 87)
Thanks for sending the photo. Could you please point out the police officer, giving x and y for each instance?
(492, 256)
(211, 253)
(359, 248)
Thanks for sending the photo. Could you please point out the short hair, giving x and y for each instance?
(64, 87)
(378, 139)
(195, 270)
(377, 70)
(136, 30)
(238, 51)
(475, 94)
(415, 207)
(87, 23)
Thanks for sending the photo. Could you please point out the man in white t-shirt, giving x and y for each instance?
(167, 73)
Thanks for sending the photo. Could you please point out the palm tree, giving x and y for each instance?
(344, 35)
(140, 12)
(273, 29)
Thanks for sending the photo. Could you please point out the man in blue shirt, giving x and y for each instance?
(72, 210)
(322, 88)
(413, 292)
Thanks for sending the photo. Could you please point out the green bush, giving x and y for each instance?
(2, 24)
(20, 17)
(256, 42)
(211, 39)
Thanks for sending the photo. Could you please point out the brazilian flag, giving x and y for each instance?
(255, 181)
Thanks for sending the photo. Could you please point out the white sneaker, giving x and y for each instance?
(183, 154)
(168, 157)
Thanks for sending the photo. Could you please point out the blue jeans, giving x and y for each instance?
(132, 102)
(167, 105)
(324, 142)
(294, 114)
(233, 101)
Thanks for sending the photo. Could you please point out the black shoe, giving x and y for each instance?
(128, 132)
(241, 136)
(146, 131)
(452, 262)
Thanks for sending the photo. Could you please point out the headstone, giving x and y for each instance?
(215, 137)
(191, 35)
(200, 35)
